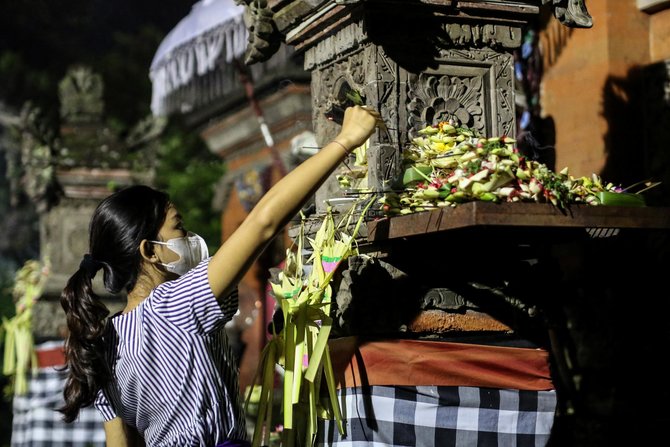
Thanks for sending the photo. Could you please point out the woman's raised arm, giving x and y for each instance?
(284, 200)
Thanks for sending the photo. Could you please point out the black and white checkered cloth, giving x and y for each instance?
(36, 423)
(441, 416)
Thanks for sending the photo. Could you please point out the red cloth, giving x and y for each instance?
(50, 357)
(416, 362)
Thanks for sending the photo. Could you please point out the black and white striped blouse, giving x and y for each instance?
(174, 374)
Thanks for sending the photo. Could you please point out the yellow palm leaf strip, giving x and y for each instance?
(345, 248)
(361, 154)
(311, 429)
(263, 419)
(346, 219)
(318, 274)
(307, 295)
(291, 275)
(277, 291)
(301, 246)
(362, 217)
(289, 364)
(332, 390)
(316, 278)
(299, 353)
(342, 249)
(329, 242)
(15, 344)
(319, 347)
(10, 347)
(31, 347)
(24, 346)
(289, 286)
(267, 360)
(325, 283)
(328, 226)
(268, 387)
(312, 396)
(324, 412)
(327, 298)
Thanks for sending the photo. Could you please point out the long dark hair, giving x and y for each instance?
(120, 222)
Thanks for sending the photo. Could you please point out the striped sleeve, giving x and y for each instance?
(188, 302)
(230, 304)
(102, 405)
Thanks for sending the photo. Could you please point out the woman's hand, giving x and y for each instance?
(358, 124)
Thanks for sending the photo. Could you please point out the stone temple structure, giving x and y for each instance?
(480, 273)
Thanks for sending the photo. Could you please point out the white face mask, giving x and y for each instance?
(191, 250)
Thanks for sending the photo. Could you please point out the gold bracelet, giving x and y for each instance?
(346, 151)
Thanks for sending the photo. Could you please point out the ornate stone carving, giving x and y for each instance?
(279, 20)
(371, 286)
(85, 140)
(384, 154)
(348, 40)
(571, 13)
(330, 85)
(89, 160)
(334, 83)
(472, 88)
(264, 39)
(80, 95)
(32, 162)
(444, 299)
(466, 35)
(447, 98)
(385, 82)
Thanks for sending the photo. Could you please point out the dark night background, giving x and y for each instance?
(608, 296)
(39, 41)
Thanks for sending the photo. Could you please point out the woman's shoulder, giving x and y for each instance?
(180, 291)
(194, 278)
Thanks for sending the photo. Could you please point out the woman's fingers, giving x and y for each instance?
(380, 122)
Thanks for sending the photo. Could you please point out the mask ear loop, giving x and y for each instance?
(167, 266)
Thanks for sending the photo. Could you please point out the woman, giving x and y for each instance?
(161, 372)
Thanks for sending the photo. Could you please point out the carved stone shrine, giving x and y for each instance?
(417, 62)
(481, 272)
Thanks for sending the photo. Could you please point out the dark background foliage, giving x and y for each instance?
(41, 39)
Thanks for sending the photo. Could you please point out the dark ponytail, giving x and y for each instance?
(87, 370)
(119, 224)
